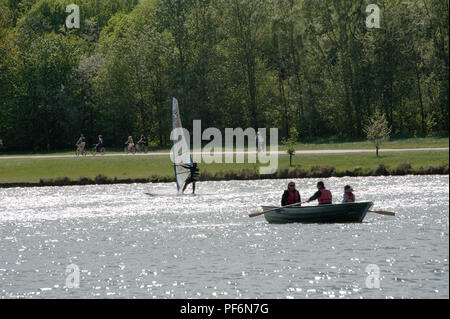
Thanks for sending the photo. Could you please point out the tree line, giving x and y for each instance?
(311, 65)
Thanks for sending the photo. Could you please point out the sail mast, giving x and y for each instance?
(173, 142)
(181, 150)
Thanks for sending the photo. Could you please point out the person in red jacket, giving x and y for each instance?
(291, 195)
(349, 197)
(323, 195)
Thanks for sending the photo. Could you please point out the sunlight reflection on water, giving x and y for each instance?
(128, 243)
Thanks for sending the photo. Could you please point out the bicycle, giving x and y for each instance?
(81, 150)
(130, 149)
(94, 150)
(140, 148)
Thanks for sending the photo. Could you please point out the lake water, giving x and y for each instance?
(126, 244)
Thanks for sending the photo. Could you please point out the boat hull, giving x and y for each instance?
(337, 213)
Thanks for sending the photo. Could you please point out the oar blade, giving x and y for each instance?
(271, 210)
(262, 213)
(382, 212)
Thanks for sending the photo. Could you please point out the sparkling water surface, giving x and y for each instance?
(129, 244)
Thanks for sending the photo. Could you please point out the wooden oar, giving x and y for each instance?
(271, 210)
(381, 212)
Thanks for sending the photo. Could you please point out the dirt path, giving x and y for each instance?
(240, 152)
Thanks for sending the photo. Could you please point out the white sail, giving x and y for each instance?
(181, 147)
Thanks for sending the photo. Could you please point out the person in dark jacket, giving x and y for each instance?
(194, 176)
(291, 195)
(323, 195)
(99, 145)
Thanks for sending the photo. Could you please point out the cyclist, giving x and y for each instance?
(129, 143)
(99, 145)
(143, 143)
(81, 143)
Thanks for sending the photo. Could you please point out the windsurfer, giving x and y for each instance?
(193, 177)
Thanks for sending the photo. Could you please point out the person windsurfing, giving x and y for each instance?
(193, 177)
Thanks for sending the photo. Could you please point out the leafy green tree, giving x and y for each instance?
(244, 26)
(35, 107)
(437, 37)
(134, 87)
(173, 17)
(377, 130)
(309, 65)
(290, 143)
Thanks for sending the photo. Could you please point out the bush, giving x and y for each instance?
(62, 181)
(357, 171)
(315, 169)
(218, 176)
(299, 172)
(160, 179)
(101, 179)
(84, 181)
(247, 173)
(231, 175)
(433, 170)
(327, 171)
(282, 173)
(403, 169)
(322, 171)
(382, 170)
(205, 175)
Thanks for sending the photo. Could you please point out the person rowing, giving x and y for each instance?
(193, 177)
(323, 195)
(291, 195)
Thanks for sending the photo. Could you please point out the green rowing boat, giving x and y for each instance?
(334, 213)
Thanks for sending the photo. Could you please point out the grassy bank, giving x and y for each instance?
(417, 142)
(135, 168)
